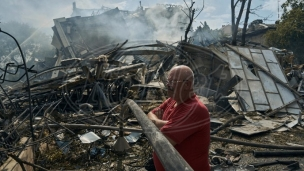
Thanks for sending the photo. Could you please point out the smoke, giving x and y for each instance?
(40, 13)
(165, 23)
(156, 23)
(159, 22)
(169, 22)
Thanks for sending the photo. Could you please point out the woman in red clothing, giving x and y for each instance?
(184, 120)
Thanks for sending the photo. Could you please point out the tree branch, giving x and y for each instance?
(236, 3)
(185, 13)
(264, 18)
(198, 13)
(186, 4)
(259, 7)
(246, 23)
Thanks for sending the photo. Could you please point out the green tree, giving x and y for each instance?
(289, 33)
(291, 4)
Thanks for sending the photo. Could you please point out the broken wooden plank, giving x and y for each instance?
(26, 155)
(63, 37)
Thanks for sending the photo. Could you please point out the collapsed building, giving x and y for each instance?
(75, 111)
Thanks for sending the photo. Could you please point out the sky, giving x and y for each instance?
(40, 13)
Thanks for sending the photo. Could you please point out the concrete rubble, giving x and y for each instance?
(74, 117)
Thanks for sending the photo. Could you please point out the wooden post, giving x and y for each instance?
(167, 154)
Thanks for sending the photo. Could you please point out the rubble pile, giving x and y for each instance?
(72, 116)
(90, 92)
(77, 116)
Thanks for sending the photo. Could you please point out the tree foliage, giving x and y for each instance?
(293, 4)
(289, 33)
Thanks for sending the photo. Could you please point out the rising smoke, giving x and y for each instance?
(160, 22)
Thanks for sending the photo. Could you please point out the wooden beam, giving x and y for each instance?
(26, 155)
(167, 154)
(62, 35)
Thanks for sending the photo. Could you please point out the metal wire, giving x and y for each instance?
(28, 83)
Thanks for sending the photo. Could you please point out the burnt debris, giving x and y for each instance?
(73, 113)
